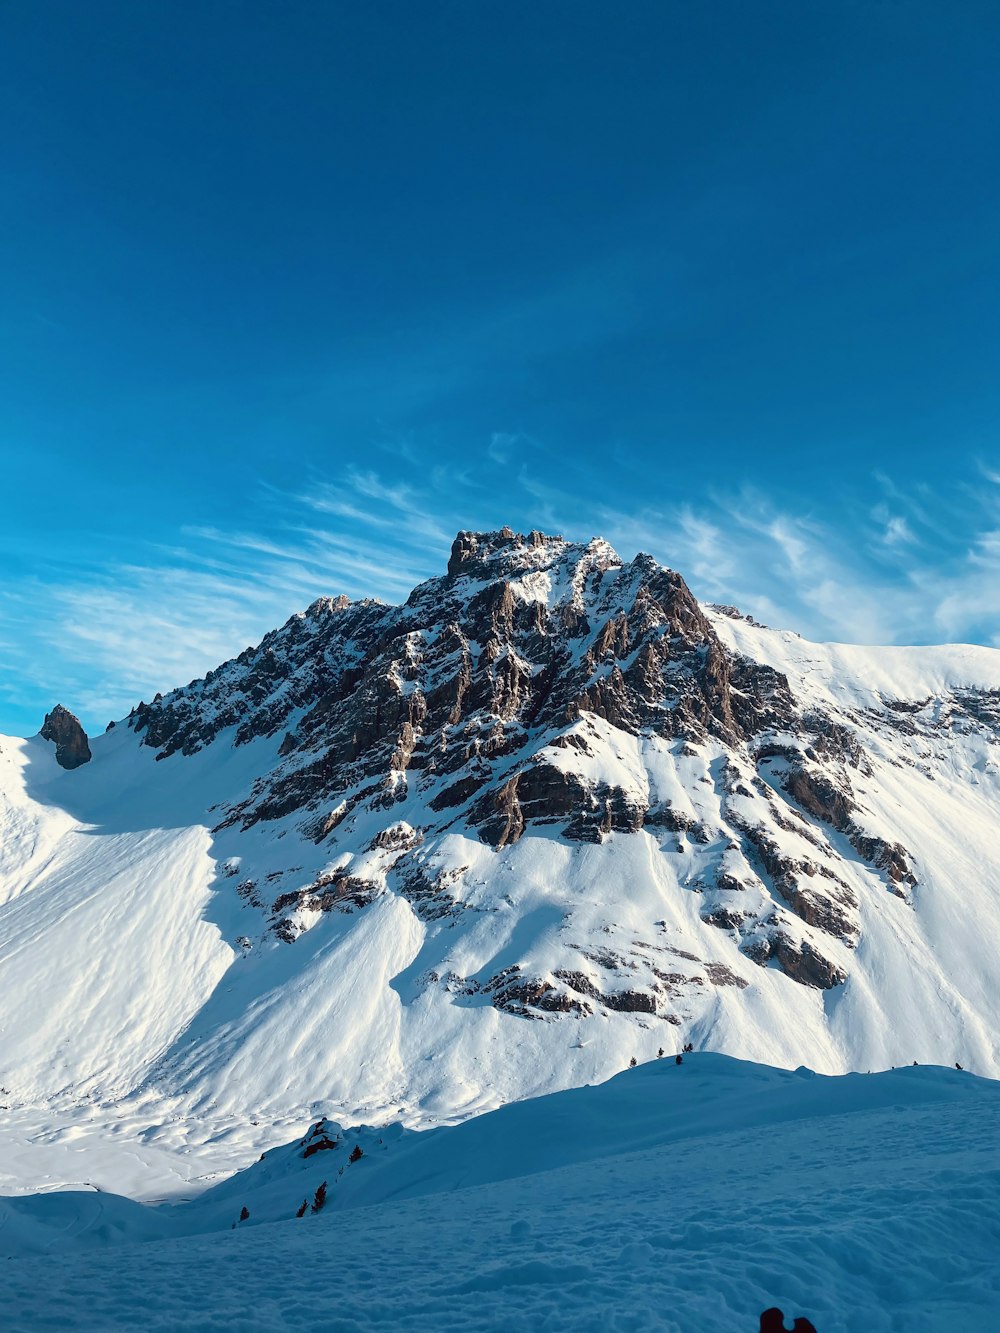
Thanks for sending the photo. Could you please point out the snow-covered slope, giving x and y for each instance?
(671, 1198)
(415, 862)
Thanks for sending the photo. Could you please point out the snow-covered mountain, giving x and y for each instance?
(549, 815)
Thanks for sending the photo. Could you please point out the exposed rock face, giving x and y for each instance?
(470, 663)
(491, 701)
(64, 729)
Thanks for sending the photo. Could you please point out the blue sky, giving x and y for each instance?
(289, 293)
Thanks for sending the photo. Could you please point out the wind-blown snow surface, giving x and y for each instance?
(672, 1198)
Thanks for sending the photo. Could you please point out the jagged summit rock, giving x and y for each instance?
(64, 729)
(548, 814)
(487, 701)
(506, 552)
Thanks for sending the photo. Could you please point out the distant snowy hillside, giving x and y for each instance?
(671, 1199)
(415, 862)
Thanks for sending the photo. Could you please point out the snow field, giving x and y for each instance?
(685, 1199)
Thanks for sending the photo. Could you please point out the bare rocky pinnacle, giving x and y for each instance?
(64, 729)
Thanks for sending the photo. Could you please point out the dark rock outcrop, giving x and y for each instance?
(799, 960)
(63, 728)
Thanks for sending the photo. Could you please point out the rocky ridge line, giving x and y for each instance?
(481, 704)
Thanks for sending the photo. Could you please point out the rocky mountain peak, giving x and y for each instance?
(508, 554)
(327, 606)
(554, 786)
(501, 699)
(64, 729)
(474, 549)
(524, 631)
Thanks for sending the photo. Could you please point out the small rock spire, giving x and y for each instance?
(64, 729)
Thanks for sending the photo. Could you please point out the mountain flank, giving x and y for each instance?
(549, 815)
